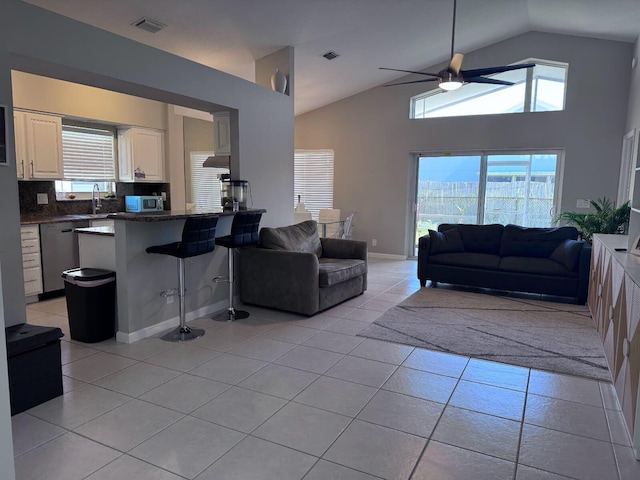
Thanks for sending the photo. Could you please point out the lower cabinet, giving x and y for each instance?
(31, 263)
(614, 301)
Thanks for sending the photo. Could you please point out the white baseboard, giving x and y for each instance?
(172, 322)
(387, 256)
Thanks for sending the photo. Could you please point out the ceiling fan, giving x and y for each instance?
(453, 77)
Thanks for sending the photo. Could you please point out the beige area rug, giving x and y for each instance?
(531, 333)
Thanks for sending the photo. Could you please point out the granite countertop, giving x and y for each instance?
(109, 231)
(35, 219)
(173, 215)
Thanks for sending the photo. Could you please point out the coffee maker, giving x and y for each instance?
(234, 193)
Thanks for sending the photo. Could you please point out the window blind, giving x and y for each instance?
(88, 154)
(313, 179)
(205, 182)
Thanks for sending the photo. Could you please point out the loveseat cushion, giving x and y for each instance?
(336, 270)
(445, 242)
(477, 238)
(301, 237)
(467, 259)
(567, 253)
(520, 241)
(539, 266)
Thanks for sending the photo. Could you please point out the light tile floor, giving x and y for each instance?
(280, 396)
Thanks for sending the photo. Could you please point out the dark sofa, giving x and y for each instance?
(549, 261)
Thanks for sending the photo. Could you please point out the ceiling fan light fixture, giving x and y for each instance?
(449, 81)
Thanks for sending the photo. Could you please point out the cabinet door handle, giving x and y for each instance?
(30, 281)
(32, 169)
(66, 230)
(22, 163)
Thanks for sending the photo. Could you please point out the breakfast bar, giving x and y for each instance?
(141, 277)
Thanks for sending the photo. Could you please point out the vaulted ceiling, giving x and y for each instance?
(230, 35)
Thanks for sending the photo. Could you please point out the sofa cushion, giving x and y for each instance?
(445, 242)
(467, 259)
(520, 241)
(567, 253)
(539, 266)
(337, 270)
(301, 237)
(477, 238)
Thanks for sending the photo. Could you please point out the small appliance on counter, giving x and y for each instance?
(234, 193)
(142, 203)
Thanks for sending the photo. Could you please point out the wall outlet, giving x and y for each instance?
(43, 198)
(164, 196)
(169, 299)
(583, 203)
(374, 242)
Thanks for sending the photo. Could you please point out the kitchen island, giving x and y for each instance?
(141, 277)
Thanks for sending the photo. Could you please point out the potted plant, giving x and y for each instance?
(606, 218)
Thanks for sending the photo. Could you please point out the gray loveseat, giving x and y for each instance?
(548, 261)
(293, 269)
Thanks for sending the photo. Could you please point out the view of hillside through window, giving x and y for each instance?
(485, 188)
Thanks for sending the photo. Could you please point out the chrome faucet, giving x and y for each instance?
(96, 204)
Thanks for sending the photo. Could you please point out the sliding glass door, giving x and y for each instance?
(505, 187)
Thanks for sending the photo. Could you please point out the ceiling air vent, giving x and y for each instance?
(149, 25)
(330, 55)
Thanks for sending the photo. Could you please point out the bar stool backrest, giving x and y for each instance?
(198, 236)
(244, 229)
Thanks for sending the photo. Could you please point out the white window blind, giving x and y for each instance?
(205, 182)
(88, 154)
(313, 179)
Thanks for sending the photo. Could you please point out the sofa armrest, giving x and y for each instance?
(584, 270)
(424, 246)
(343, 248)
(280, 279)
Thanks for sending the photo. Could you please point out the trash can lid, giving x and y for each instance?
(88, 274)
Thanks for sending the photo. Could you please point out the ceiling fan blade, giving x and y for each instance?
(456, 63)
(494, 81)
(491, 70)
(415, 81)
(408, 71)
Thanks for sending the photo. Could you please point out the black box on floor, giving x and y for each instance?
(91, 303)
(35, 368)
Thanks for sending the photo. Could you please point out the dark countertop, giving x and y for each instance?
(173, 215)
(109, 231)
(35, 219)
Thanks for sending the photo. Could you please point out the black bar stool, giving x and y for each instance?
(244, 233)
(198, 238)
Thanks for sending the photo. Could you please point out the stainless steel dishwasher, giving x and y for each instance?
(59, 247)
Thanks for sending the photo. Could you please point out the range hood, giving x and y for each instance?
(218, 161)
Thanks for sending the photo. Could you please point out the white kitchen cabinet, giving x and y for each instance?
(31, 263)
(21, 147)
(39, 143)
(140, 155)
(222, 133)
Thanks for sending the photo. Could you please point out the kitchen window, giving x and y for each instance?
(88, 157)
(204, 185)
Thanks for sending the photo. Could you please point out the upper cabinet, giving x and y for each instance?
(140, 155)
(38, 145)
(222, 133)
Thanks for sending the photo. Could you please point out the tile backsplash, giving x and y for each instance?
(28, 191)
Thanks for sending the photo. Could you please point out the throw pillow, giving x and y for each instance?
(567, 254)
(445, 242)
(301, 237)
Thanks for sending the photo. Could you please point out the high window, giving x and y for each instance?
(204, 182)
(88, 156)
(313, 179)
(537, 89)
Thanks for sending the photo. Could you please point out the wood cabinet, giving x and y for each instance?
(222, 133)
(38, 145)
(140, 155)
(31, 263)
(614, 301)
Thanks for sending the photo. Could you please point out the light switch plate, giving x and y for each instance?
(43, 199)
(583, 203)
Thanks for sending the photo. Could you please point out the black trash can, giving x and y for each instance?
(91, 303)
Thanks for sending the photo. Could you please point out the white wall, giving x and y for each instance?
(40, 42)
(373, 136)
(633, 122)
